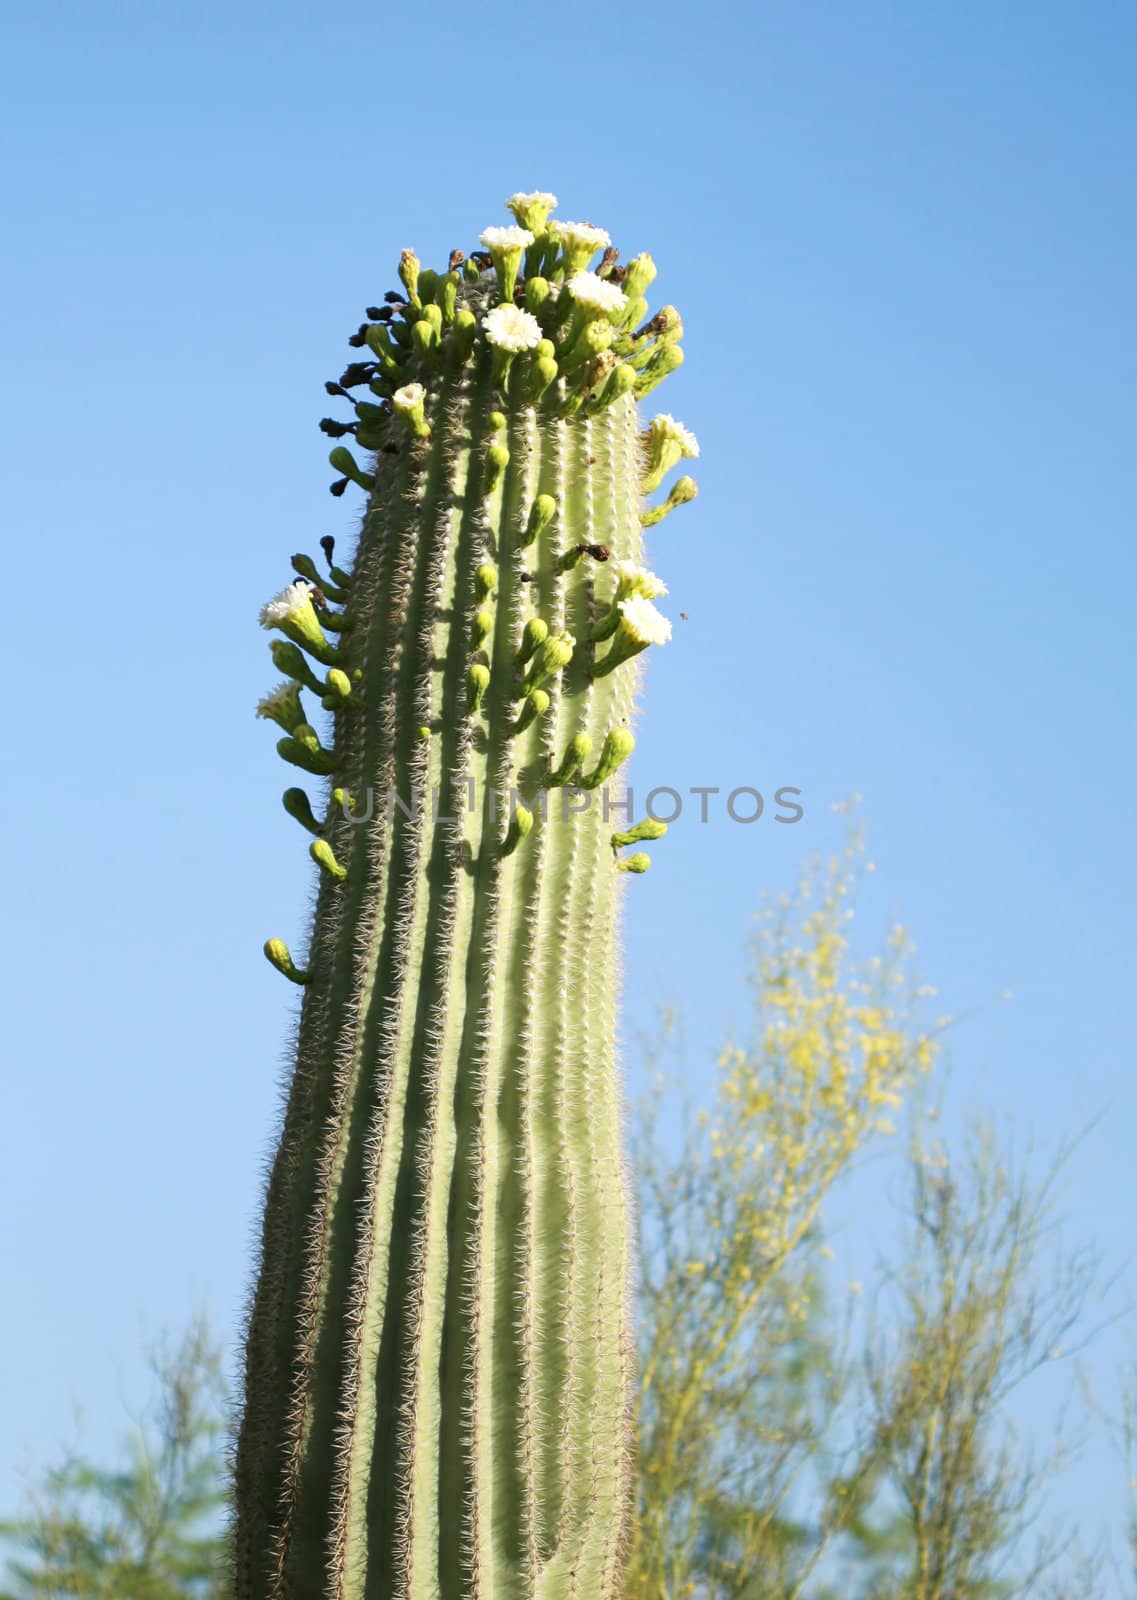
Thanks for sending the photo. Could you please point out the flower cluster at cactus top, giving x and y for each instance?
(555, 328)
(641, 619)
(289, 603)
(596, 293)
(512, 329)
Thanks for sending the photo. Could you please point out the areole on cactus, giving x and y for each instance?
(438, 1364)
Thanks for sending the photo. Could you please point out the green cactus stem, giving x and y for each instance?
(438, 1364)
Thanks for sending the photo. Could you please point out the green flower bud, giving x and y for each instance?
(578, 752)
(537, 292)
(549, 659)
(297, 804)
(338, 685)
(345, 463)
(427, 286)
(324, 857)
(482, 627)
(621, 379)
(589, 341)
(520, 825)
(408, 275)
(448, 296)
(486, 579)
(379, 343)
(542, 372)
(278, 953)
(465, 332)
(541, 513)
(665, 359)
(640, 275)
(534, 705)
(637, 863)
(299, 753)
(497, 459)
(683, 490)
(618, 746)
(423, 336)
(643, 832)
(534, 633)
(294, 663)
(477, 682)
(306, 568)
(632, 315)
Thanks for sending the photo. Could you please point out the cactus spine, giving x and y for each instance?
(438, 1356)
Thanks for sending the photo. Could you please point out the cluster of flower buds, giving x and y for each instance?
(544, 305)
(546, 320)
(304, 613)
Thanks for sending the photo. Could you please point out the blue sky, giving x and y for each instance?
(904, 245)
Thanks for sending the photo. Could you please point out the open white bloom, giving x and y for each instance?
(597, 294)
(295, 601)
(284, 697)
(409, 397)
(641, 619)
(511, 238)
(512, 329)
(582, 235)
(633, 579)
(664, 426)
(283, 706)
(532, 210)
(538, 197)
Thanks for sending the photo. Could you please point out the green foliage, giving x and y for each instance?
(800, 1441)
(149, 1528)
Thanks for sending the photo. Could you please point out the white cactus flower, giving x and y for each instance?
(290, 603)
(641, 619)
(512, 329)
(282, 700)
(538, 197)
(664, 426)
(511, 238)
(632, 579)
(581, 235)
(596, 294)
(409, 397)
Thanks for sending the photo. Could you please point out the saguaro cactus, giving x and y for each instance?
(438, 1356)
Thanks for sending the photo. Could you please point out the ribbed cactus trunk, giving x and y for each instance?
(439, 1359)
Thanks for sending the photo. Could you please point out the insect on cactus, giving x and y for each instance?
(437, 1387)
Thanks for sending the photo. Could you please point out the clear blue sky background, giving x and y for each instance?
(904, 243)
